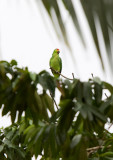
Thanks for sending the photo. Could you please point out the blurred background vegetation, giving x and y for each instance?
(83, 27)
(99, 15)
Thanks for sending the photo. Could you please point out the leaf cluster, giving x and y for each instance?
(19, 92)
(76, 130)
(11, 144)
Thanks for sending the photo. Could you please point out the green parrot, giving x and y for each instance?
(56, 63)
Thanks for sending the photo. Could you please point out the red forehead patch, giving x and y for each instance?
(57, 49)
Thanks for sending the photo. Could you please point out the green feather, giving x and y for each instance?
(56, 63)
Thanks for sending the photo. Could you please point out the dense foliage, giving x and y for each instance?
(74, 129)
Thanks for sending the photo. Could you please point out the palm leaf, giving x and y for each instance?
(98, 9)
(102, 10)
(53, 5)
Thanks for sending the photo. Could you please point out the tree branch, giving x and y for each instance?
(62, 74)
(93, 149)
(54, 101)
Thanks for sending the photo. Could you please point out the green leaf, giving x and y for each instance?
(47, 82)
(73, 87)
(97, 113)
(84, 111)
(9, 144)
(29, 132)
(78, 124)
(66, 115)
(65, 102)
(97, 92)
(44, 109)
(1, 147)
(13, 114)
(35, 105)
(90, 116)
(47, 102)
(108, 86)
(106, 104)
(33, 76)
(20, 153)
(87, 92)
(79, 91)
(38, 101)
(5, 110)
(76, 139)
(13, 63)
(82, 108)
(10, 134)
(106, 154)
(97, 80)
(38, 141)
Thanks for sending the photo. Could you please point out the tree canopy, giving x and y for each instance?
(72, 129)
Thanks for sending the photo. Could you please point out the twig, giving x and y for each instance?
(96, 148)
(54, 101)
(106, 95)
(104, 134)
(92, 75)
(110, 126)
(73, 75)
(101, 145)
(62, 74)
(93, 149)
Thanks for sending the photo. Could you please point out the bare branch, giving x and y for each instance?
(92, 75)
(54, 101)
(106, 95)
(93, 149)
(62, 74)
(73, 75)
(110, 126)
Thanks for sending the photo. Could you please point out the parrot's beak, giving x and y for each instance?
(58, 52)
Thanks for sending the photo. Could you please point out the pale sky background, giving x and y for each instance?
(27, 35)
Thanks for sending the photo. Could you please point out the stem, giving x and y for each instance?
(62, 74)
(93, 149)
(92, 75)
(106, 95)
(110, 125)
(73, 75)
(96, 148)
(54, 101)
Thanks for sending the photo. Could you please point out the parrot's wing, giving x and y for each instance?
(50, 62)
(60, 64)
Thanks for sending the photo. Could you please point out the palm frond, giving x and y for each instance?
(101, 9)
(54, 5)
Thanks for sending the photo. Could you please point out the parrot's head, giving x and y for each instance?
(57, 51)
